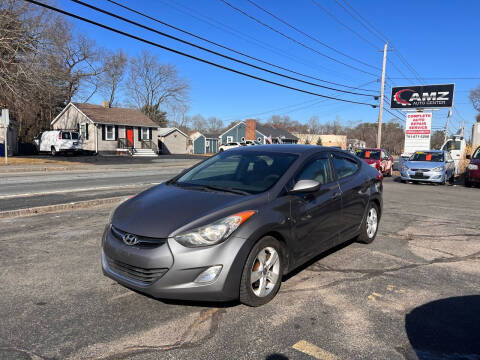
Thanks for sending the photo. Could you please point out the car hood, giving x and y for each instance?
(162, 209)
(423, 164)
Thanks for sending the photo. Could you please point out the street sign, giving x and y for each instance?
(5, 118)
(421, 97)
(417, 132)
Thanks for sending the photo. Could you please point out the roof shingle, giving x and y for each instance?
(115, 115)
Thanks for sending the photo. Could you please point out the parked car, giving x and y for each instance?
(472, 175)
(250, 143)
(232, 226)
(56, 141)
(230, 145)
(379, 159)
(435, 166)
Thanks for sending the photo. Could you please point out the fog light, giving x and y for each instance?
(209, 274)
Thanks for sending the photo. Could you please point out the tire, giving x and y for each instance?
(53, 152)
(368, 229)
(468, 183)
(403, 181)
(451, 180)
(253, 293)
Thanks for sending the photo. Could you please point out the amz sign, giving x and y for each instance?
(419, 97)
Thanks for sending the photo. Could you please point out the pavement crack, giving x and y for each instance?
(187, 340)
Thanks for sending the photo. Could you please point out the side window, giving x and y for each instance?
(319, 170)
(344, 167)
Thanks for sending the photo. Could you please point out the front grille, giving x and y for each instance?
(422, 170)
(419, 176)
(143, 241)
(145, 276)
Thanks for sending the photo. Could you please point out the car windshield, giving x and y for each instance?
(368, 154)
(476, 154)
(248, 172)
(74, 136)
(427, 156)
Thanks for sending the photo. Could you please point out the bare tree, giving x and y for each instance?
(114, 66)
(475, 98)
(155, 85)
(214, 124)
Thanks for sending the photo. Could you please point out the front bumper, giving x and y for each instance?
(427, 176)
(168, 271)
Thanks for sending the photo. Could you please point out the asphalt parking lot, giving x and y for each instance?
(412, 294)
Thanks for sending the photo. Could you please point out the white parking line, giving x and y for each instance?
(76, 190)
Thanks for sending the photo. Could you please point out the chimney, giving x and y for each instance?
(251, 127)
(105, 104)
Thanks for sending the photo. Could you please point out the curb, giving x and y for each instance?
(60, 207)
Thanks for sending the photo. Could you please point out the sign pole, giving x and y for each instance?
(5, 122)
(382, 91)
(446, 126)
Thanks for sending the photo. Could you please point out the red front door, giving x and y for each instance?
(129, 136)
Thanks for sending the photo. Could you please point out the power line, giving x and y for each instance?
(246, 37)
(444, 78)
(294, 40)
(78, 17)
(228, 48)
(344, 25)
(310, 36)
(212, 51)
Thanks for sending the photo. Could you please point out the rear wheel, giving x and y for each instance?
(53, 151)
(369, 228)
(262, 273)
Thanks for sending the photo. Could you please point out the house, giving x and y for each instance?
(12, 137)
(197, 143)
(172, 141)
(264, 134)
(356, 144)
(212, 143)
(109, 129)
(325, 139)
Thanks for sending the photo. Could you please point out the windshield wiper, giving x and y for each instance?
(226, 189)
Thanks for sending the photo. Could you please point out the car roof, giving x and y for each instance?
(287, 148)
(371, 148)
(430, 151)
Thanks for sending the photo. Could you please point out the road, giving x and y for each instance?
(23, 190)
(411, 294)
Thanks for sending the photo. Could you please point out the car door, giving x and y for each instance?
(315, 215)
(355, 193)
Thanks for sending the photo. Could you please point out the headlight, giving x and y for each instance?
(374, 165)
(404, 168)
(213, 233)
(472, 167)
(440, 168)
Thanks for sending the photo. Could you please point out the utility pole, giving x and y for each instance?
(5, 123)
(446, 125)
(382, 92)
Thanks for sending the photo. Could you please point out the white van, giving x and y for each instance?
(57, 141)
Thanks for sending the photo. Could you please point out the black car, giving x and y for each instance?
(233, 225)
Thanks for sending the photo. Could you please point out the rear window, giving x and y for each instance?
(452, 145)
(75, 136)
(427, 156)
(66, 135)
(476, 154)
(368, 154)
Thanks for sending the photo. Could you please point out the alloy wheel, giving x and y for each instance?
(265, 272)
(372, 222)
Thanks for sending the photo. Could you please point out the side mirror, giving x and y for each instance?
(469, 156)
(305, 186)
(450, 161)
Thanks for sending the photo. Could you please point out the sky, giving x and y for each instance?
(430, 42)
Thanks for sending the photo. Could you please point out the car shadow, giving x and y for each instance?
(315, 259)
(446, 328)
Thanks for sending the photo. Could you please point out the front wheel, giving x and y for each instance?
(262, 273)
(369, 227)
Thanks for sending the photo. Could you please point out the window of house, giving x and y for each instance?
(109, 132)
(229, 139)
(83, 131)
(259, 139)
(243, 139)
(145, 133)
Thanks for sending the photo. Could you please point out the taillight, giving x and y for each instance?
(60, 136)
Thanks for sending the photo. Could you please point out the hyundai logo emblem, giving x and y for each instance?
(129, 239)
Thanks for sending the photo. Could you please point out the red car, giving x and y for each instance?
(380, 159)
(472, 176)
